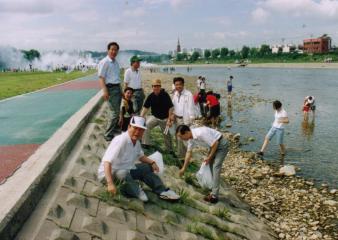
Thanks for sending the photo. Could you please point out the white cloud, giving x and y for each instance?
(222, 20)
(135, 12)
(259, 15)
(173, 3)
(321, 8)
(219, 35)
(22, 6)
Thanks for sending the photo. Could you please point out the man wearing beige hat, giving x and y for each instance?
(162, 110)
(132, 78)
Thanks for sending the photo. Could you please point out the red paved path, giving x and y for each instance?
(12, 156)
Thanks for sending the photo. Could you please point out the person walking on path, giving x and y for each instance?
(162, 110)
(109, 78)
(281, 118)
(119, 161)
(229, 87)
(218, 150)
(184, 110)
(127, 109)
(133, 79)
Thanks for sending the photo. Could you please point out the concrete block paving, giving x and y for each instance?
(84, 210)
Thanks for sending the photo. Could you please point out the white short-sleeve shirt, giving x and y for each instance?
(203, 136)
(133, 78)
(121, 153)
(281, 114)
(110, 70)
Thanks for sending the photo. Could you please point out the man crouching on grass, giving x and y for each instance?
(119, 160)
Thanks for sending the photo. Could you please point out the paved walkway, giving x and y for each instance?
(28, 120)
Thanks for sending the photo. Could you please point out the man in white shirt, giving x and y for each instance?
(213, 139)
(119, 162)
(132, 78)
(281, 118)
(184, 110)
(109, 77)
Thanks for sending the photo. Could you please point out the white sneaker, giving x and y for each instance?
(142, 196)
(169, 195)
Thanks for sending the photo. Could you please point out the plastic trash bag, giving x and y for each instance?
(157, 157)
(204, 176)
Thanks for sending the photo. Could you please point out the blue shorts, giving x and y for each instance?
(229, 88)
(279, 133)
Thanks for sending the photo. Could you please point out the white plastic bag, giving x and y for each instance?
(157, 157)
(204, 176)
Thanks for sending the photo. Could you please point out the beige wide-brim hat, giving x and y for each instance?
(156, 82)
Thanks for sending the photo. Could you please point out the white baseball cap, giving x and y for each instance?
(137, 121)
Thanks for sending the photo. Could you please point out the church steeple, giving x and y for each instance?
(178, 49)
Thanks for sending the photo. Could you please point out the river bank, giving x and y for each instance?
(262, 65)
(292, 206)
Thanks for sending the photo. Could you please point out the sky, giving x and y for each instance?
(155, 25)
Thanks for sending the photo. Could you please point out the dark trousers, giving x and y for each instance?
(144, 173)
(114, 102)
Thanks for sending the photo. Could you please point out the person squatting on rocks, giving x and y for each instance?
(109, 78)
(184, 110)
(127, 109)
(309, 104)
(281, 118)
(119, 162)
(214, 108)
(162, 110)
(133, 79)
(218, 146)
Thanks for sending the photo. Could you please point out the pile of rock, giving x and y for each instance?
(292, 206)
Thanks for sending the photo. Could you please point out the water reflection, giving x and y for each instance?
(308, 128)
(229, 111)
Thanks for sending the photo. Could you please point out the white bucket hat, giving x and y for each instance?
(137, 121)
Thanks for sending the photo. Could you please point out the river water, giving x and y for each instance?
(312, 145)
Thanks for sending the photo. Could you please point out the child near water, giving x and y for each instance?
(281, 118)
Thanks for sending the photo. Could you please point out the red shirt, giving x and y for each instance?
(212, 100)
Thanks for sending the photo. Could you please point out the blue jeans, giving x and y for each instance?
(114, 102)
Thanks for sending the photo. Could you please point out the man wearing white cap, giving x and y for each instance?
(119, 160)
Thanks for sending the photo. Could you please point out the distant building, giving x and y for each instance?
(288, 48)
(276, 48)
(178, 48)
(317, 45)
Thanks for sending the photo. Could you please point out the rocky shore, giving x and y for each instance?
(292, 206)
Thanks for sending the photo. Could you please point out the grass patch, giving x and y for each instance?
(179, 209)
(201, 230)
(16, 83)
(223, 213)
(98, 120)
